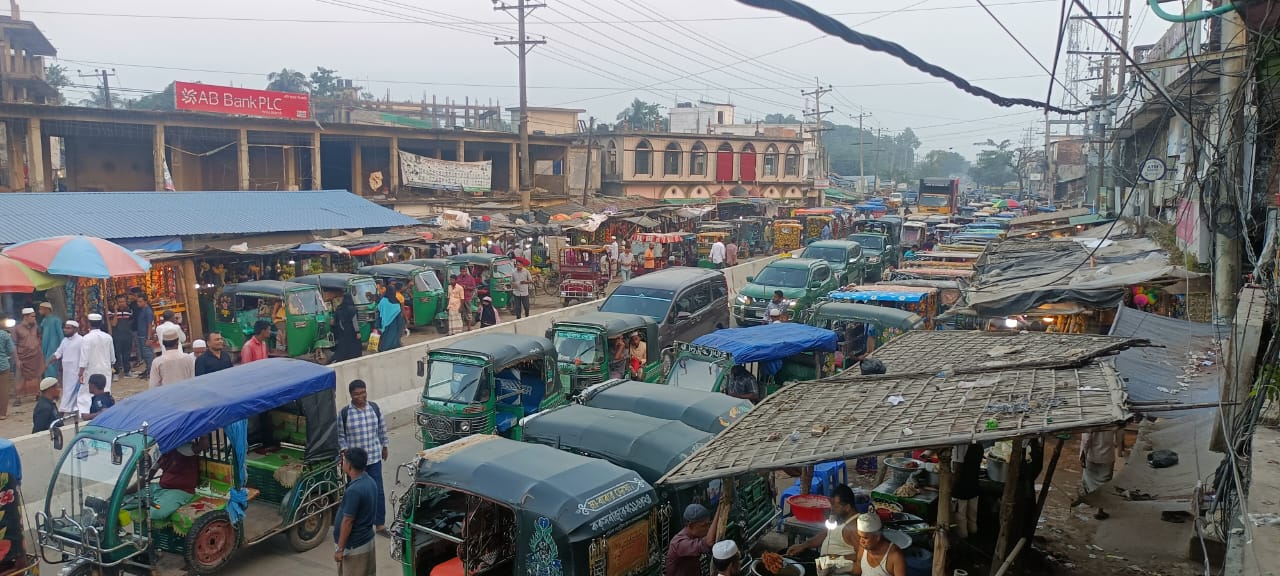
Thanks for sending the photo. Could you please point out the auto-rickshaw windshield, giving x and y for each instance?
(694, 374)
(453, 382)
(305, 302)
(505, 268)
(364, 291)
(869, 241)
(575, 346)
(86, 474)
(426, 282)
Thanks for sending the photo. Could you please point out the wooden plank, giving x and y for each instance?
(942, 536)
(1008, 505)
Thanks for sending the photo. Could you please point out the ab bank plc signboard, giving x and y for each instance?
(241, 101)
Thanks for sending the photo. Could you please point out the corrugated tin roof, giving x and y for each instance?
(117, 215)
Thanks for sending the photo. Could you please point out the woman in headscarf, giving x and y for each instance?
(346, 331)
(391, 321)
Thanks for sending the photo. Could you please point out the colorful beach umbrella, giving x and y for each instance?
(83, 256)
(18, 278)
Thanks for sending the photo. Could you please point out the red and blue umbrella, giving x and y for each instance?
(83, 256)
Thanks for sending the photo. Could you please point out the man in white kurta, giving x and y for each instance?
(75, 399)
(97, 353)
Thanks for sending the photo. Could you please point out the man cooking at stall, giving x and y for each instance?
(840, 541)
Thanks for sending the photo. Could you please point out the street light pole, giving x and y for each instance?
(523, 45)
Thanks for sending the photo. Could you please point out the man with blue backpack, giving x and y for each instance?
(360, 425)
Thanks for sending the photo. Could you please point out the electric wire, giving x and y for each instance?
(836, 28)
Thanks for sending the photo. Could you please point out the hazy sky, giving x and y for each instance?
(600, 53)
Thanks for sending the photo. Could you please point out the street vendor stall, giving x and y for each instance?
(850, 416)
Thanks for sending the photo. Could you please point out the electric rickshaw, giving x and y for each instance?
(584, 273)
(264, 436)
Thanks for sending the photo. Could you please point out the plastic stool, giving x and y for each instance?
(832, 474)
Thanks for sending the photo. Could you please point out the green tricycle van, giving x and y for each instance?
(265, 438)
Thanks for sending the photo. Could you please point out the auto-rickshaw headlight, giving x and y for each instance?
(422, 419)
(464, 426)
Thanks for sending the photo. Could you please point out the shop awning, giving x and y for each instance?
(930, 351)
(160, 243)
(366, 249)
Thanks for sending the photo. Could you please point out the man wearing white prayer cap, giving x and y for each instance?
(877, 556)
(73, 398)
(197, 348)
(725, 558)
(98, 353)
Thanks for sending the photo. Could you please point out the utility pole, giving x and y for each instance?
(1124, 43)
(862, 168)
(819, 159)
(104, 75)
(591, 143)
(1226, 269)
(523, 45)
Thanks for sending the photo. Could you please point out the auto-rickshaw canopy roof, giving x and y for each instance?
(178, 413)
(477, 258)
(570, 490)
(882, 295)
(889, 317)
(502, 349)
(271, 287)
(650, 446)
(705, 411)
(10, 461)
(768, 342)
(613, 323)
(397, 270)
(330, 280)
(440, 263)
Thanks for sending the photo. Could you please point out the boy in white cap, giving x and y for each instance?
(197, 348)
(46, 409)
(69, 353)
(98, 353)
(725, 558)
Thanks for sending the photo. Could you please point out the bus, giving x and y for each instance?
(938, 196)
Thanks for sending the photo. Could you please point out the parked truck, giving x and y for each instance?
(938, 196)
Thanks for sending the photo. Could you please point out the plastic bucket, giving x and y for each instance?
(809, 507)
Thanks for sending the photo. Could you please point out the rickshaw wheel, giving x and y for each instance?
(210, 542)
(309, 533)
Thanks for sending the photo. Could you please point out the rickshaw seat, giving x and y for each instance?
(530, 384)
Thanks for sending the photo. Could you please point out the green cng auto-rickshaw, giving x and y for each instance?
(362, 288)
(489, 505)
(264, 438)
(419, 285)
(494, 271)
(861, 328)
(485, 385)
(585, 348)
(443, 267)
(652, 447)
(298, 315)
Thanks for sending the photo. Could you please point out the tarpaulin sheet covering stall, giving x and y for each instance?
(1016, 276)
(1173, 370)
(178, 414)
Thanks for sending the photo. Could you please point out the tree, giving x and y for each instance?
(162, 100)
(325, 83)
(97, 99)
(996, 166)
(780, 119)
(642, 115)
(942, 164)
(287, 80)
(56, 76)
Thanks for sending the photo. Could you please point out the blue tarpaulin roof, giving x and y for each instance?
(118, 215)
(178, 413)
(769, 341)
(10, 462)
(878, 296)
